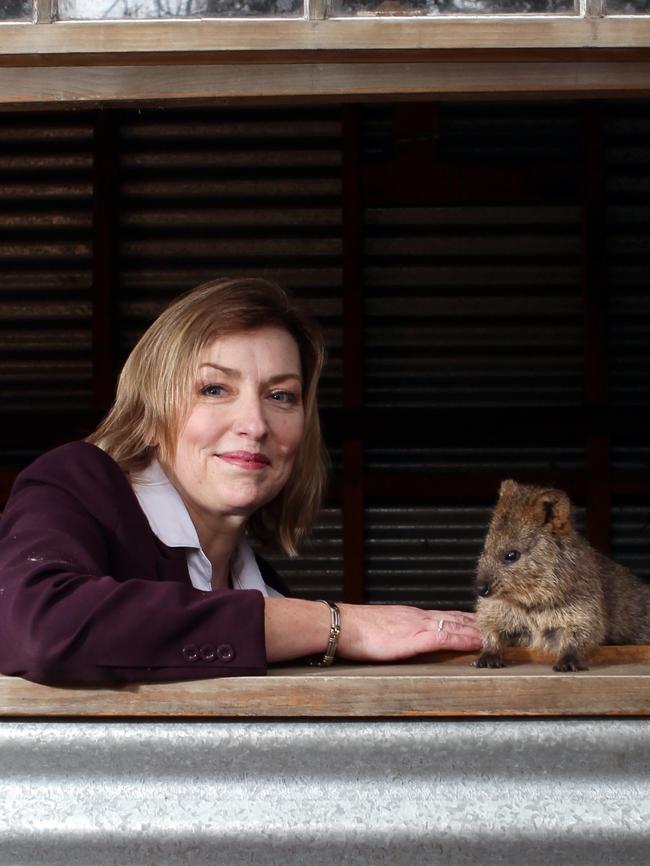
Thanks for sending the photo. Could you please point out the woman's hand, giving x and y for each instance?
(296, 628)
(392, 632)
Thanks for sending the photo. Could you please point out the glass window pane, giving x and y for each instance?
(98, 10)
(16, 10)
(628, 7)
(452, 7)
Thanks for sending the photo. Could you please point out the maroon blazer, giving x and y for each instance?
(88, 593)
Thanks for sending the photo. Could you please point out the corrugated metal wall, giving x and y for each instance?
(353, 792)
(476, 303)
(627, 130)
(474, 271)
(235, 192)
(45, 275)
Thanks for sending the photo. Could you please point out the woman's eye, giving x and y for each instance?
(511, 555)
(287, 397)
(213, 390)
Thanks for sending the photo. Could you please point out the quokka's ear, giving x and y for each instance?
(507, 488)
(554, 509)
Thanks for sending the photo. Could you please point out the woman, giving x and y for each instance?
(124, 559)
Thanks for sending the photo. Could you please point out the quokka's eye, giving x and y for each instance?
(511, 555)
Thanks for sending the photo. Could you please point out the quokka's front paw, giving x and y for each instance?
(569, 663)
(489, 660)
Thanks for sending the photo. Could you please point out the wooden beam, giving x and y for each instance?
(438, 685)
(452, 32)
(195, 85)
(359, 54)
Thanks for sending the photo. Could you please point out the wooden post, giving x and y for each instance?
(104, 260)
(595, 291)
(43, 12)
(353, 452)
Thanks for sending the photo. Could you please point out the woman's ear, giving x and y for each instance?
(152, 440)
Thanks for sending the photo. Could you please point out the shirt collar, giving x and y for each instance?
(169, 519)
(165, 510)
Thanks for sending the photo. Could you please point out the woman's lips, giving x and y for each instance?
(245, 459)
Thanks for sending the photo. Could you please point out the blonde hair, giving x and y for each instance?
(156, 386)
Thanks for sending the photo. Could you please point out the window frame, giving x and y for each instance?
(103, 39)
(192, 61)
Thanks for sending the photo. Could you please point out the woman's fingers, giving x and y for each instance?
(397, 632)
(454, 622)
(456, 616)
(453, 631)
(454, 636)
(445, 623)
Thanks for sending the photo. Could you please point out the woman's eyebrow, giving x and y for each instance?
(228, 371)
(282, 377)
(235, 374)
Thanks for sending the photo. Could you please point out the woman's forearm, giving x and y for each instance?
(295, 628)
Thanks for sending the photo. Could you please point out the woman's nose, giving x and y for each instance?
(249, 418)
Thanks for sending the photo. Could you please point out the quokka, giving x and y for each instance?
(541, 584)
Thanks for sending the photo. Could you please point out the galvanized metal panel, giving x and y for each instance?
(412, 793)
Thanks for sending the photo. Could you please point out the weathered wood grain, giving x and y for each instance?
(462, 32)
(189, 84)
(617, 684)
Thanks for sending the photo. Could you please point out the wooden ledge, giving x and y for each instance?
(445, 685)
(257, 83)
(103, 38)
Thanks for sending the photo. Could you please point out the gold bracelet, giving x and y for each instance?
(335, 632)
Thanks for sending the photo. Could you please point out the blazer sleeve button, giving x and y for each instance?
(191, 652)
(225, 653)
(208, 653)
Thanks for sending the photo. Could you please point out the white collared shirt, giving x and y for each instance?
(169, 519)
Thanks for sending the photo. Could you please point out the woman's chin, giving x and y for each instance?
(243, 503)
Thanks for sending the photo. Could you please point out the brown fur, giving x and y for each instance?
(558, 594)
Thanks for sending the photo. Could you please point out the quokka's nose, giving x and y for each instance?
(483, 585)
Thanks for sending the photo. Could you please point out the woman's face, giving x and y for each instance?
(236, 447)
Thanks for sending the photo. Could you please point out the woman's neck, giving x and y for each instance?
(218, 534)
(219, 540)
